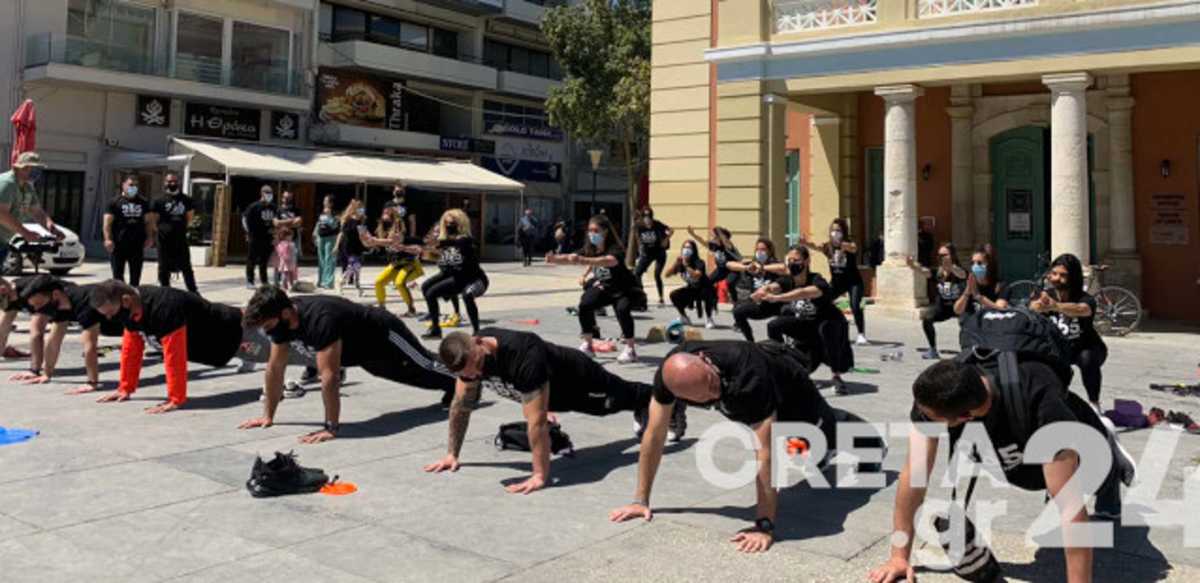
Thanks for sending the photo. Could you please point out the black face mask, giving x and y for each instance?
(282, 333)
(451, 228)
(714, 246)
(795, 268)
(172, 188)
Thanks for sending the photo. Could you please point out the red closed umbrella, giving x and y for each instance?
(24, 122)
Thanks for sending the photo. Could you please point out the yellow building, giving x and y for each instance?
(1040, 126)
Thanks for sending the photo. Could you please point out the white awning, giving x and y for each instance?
(125, 160)
(302, 164)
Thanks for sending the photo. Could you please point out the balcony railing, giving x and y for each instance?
(939, 8)
(45, 48)
(806, 15)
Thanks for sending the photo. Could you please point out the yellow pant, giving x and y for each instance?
(399, 276)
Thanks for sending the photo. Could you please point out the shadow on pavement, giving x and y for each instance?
(397, 421)
(227, 400)
(589, 465)
(1132, 558)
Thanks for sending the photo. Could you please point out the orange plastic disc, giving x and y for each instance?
(796, 445)
(339, 489)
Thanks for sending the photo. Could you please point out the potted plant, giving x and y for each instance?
(201, 249)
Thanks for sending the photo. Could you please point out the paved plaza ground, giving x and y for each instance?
(107, 493)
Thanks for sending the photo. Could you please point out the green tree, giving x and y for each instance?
(603, 48)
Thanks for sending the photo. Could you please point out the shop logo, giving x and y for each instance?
(152, 111)
(285, 126)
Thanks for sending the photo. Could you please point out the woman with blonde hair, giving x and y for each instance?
(404, 252)
(459, 272)
(350, 244)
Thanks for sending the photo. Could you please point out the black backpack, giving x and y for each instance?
(999, 340)
(515, 436)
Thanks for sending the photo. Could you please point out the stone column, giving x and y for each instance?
(900, 287)
(1122, 254)
(1068, 165)
(962, 199)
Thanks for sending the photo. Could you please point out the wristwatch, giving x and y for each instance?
(764, 524)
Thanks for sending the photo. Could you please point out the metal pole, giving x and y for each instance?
(593, 192)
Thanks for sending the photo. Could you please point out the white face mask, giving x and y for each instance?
(686, 252)
(835, 236)
(268, 197)
(131, 190)
(761, 256)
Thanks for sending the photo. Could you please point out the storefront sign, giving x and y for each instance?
(524, 170)
(359, 99)
(285, 126)
(219, 121)
(153, 111)
(502, 128)
(1020, 213)
(1168, 219)
(534, 150)
(472, 145)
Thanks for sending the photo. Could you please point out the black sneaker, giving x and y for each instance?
(839, 387)
(639, 422)
(678, 426)
(432, 334)
(310, 375)
(282, 476)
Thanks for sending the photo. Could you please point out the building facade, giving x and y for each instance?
(131, 85)
(1039, 126)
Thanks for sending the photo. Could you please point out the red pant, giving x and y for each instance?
(174, 358)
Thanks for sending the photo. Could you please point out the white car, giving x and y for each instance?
(70, 253)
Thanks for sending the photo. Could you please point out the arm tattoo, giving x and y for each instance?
(460, 416)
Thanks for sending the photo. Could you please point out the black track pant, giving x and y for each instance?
(133, 254)
(821, 341)
(448, 286)
(595, 298)
(1089, 360)
(748, 310)
(258, 254)
(855, 292)
(595, 391)
(938, 312)
(659, 259)
(172, 257)
(527, 249)
(684, 297)
(407, 361)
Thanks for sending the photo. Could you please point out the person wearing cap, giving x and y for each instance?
(258, 220)
(57, 303)
(19, 202)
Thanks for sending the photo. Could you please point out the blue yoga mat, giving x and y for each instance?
(8, 436)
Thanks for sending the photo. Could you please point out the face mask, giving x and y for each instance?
(361, 214)
(451, 228)
(686, 252)
(761, 256)
(980, 271)
(714, 246)
(596, 238)
(795, 268)
(172, 188)
(268, 197)
(131, 191)
(401, 211)
(835, 236)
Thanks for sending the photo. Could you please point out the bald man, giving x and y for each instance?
(751, 384)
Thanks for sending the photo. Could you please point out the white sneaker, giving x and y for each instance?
(586, 348)
(246, 366)
(861, 340)
(709, 323)
(628, 355)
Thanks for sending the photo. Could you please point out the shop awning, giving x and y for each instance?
(308, 165)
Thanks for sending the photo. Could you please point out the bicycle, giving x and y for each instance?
(1118, 310)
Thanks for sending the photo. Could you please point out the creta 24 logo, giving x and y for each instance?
(451, 256)
(131, 210)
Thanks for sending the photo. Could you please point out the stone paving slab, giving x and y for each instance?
(107, 493)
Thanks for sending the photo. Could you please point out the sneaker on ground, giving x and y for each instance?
(639, 421)
(282, 476)
(930, 354)
(452, 321)
(246, 366)
(250, 286)
(432, 334)
(861, 340)
(628, 355)
(293, 390)
(586, 348)
(310, 375)
(709, 323)
(839, 387)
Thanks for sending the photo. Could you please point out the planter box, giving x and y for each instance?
(201, 255)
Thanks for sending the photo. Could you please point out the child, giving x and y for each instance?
(285, 257)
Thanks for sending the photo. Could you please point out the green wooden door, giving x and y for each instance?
(874, 195)
(793, 201)
(1020, 225)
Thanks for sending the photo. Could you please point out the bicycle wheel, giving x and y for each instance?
(1118, 311)
(1020, 292)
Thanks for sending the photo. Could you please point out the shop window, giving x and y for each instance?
(384, 30)
(260, 57)
(61, 195)
(445, 43)
(111, 35)
(414, 36)
(349, 24)
(199, 43)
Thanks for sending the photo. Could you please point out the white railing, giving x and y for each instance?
(939, 8)
(804, 15)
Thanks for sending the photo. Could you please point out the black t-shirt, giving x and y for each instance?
(164, 310)
(324, 320)
(696, 264)
(458, 257)
(843, 267)
(821, 308)
(1047, 402)
(260, 221)
(721, 254)
(18, 304)
(617, 278)
(129, 219)
(172, 216)
(352, 244)
(949, 287)
(81, 310)
(285, 213)
(992, 291)
(754, 383)
(751, 282)
(651, 238)
(1080, 332)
